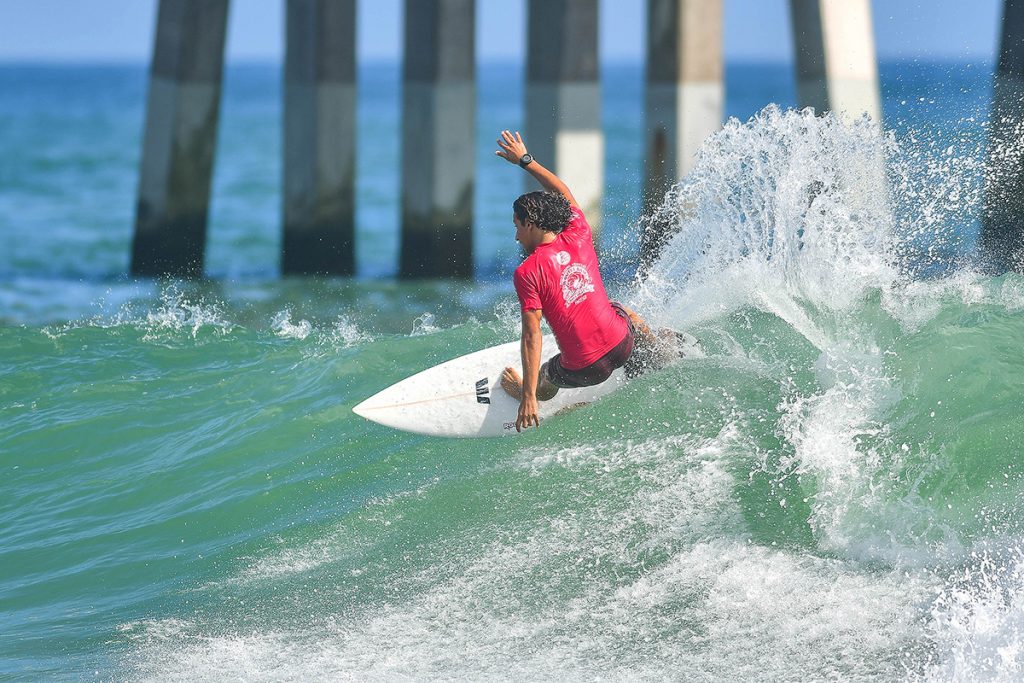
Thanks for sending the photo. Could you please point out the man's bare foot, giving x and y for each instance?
(512, 383)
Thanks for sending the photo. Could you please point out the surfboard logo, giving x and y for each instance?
(482, 391)
(576, 284)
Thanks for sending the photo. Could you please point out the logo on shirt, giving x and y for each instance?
(562, 258)
(576, 284)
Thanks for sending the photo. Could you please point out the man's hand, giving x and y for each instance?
(527, 413)
(512, 147)
(512, 150)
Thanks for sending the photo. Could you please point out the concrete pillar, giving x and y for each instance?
(438, 139)
(835, 57)
(563, 97)
(1001, 240)
(684, 97)
(319, 137)
(180, 136)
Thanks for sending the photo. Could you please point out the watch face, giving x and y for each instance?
(525, 159)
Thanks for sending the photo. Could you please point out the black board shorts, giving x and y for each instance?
(599, 370)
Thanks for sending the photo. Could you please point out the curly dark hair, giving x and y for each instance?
(549, 210)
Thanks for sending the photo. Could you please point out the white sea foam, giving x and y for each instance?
(977, 621)
(424, 325)
(284, 327)
(569, 598)
(507, 315)
(346, 333)
(804, 231)
(176, 313)
(793, 215)
(787, 203)
(337, 547)
(914, 304)
(720, 610)
(326, 340)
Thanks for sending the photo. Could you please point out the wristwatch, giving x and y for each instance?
(525, 160)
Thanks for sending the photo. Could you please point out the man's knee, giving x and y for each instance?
(545, 389)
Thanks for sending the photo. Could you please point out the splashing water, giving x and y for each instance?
(787, 206)
(815, 222)
(425, 324)
(285, 328)
(828, 227)
(791, 211)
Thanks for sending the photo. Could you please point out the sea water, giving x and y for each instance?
(832, 491)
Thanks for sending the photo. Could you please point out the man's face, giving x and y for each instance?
(521, 230)
(527, 234)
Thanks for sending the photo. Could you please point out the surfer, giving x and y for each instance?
(559, 280)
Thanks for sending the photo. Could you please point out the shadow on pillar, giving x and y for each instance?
(683, 105)
(1001, 241)
(173, 245)
(438, 245)
(319, 134)
(438, 143)
(656, 229)
(326, 248)
(182, 110)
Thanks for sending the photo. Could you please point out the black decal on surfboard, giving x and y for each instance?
(482, 390)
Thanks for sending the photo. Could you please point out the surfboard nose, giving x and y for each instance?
(360, 410)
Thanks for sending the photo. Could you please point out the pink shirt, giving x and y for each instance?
(561, 279)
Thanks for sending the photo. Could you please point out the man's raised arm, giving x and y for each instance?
(513, 150)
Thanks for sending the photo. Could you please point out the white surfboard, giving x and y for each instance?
(463, 397)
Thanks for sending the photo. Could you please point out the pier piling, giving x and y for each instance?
(563, 97)
(319, 137)
(684, 102)
(438, 139)
(835, 57)
(1001, 240)
(684, 98)
(182, 110)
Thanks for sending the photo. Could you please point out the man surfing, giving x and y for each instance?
(559, 281)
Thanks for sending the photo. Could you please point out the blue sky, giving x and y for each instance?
(122, 30)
